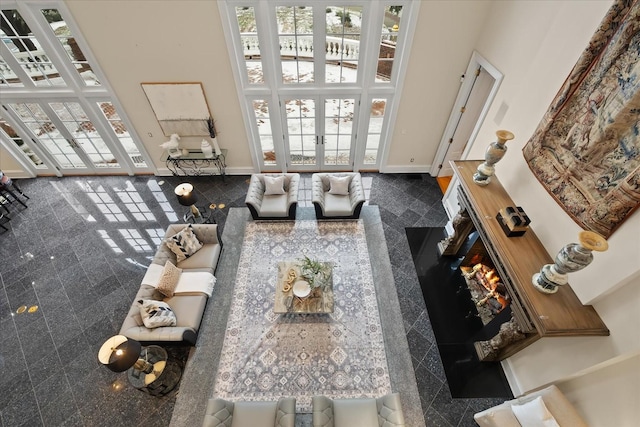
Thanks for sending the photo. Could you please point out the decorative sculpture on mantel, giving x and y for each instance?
(462, 225)
(490, 350)
(495, 151)
(572, 257)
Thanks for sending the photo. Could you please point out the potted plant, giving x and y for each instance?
(315, 272)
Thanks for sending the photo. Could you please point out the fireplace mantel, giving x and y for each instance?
(537, 315)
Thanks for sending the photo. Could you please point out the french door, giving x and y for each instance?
(319, 132)
(66, 136)
(58, 115)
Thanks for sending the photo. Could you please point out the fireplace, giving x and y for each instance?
(498, 270)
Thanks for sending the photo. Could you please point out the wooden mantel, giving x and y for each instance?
(552, 315)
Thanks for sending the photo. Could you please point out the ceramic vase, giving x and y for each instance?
(206, 148)
(495, 151)
(571, 258)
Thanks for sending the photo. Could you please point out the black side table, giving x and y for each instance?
(162, 379)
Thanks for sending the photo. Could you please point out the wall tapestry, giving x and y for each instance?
(586, 149)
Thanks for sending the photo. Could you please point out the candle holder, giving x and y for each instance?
(572, 257)
(495, 151)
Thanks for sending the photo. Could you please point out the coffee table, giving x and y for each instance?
(320, 300)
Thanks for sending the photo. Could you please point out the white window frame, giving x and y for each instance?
(75, 91)
(273, 89)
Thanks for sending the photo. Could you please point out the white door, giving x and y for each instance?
(319, 132)
(67, 136)
(480, 84)
(469, 114)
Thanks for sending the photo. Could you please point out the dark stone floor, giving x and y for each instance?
(79, 252)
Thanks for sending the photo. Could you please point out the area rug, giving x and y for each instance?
(266, 355)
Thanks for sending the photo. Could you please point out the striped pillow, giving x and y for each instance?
(156, 313)
(184, 244)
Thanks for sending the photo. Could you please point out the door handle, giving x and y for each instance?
(316, 139)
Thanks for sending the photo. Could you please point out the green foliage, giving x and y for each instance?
(315, 272)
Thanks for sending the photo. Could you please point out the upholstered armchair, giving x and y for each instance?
(337, 196)
(273, 196)
(383, 411)
(222, 413)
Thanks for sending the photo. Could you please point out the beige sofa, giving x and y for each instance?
(384, 411)
(557, 404)
(188, 307)
(222, 413)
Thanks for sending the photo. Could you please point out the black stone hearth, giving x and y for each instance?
(454, 319)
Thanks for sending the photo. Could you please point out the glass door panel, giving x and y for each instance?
(338, 137)
(52, 139)
(265, 133)
(300, 128)
(84, 134)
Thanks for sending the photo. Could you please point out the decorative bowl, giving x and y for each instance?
(301, 289)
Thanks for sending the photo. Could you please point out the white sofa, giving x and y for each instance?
(188, 307)
(562, 410)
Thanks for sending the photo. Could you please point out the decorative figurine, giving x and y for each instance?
(172, 146)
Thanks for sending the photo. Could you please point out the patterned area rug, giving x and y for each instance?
(339, 355)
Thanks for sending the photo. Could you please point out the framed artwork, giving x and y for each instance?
(586, 149)
(180, 108)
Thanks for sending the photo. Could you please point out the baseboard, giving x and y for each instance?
(228, 171)
(16, 173)
(511, 378)
(406, 169)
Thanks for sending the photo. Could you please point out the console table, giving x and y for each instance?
(196, 164)
(536, 314)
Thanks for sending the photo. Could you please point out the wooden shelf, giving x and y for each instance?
(559, 314)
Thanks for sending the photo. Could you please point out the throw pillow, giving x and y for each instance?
(169, 279)
(184, 244)
(273, 185)
(534, 414)
(339, 185)
(156, 313)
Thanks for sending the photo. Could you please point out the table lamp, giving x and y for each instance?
(187, 197)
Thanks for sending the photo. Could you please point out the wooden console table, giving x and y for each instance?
(517, 259)
(196, 164)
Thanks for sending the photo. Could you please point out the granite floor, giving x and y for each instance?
(78, 253)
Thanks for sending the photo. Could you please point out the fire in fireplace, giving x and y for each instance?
(487, 291)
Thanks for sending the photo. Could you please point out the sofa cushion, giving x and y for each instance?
(156, 313)
(205, 258)
(169, 279)
(355, 412)
(254, 414)
(188, 309)
(337, 205)
(184, 243)
(274, 206)
(339, 185)
(534, 414)
(273, 185)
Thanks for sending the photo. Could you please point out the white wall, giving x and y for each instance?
(433, 78)
(535, 44)
(620, 379)
(165, 41)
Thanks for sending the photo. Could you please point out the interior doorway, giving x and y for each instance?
(480, 84)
